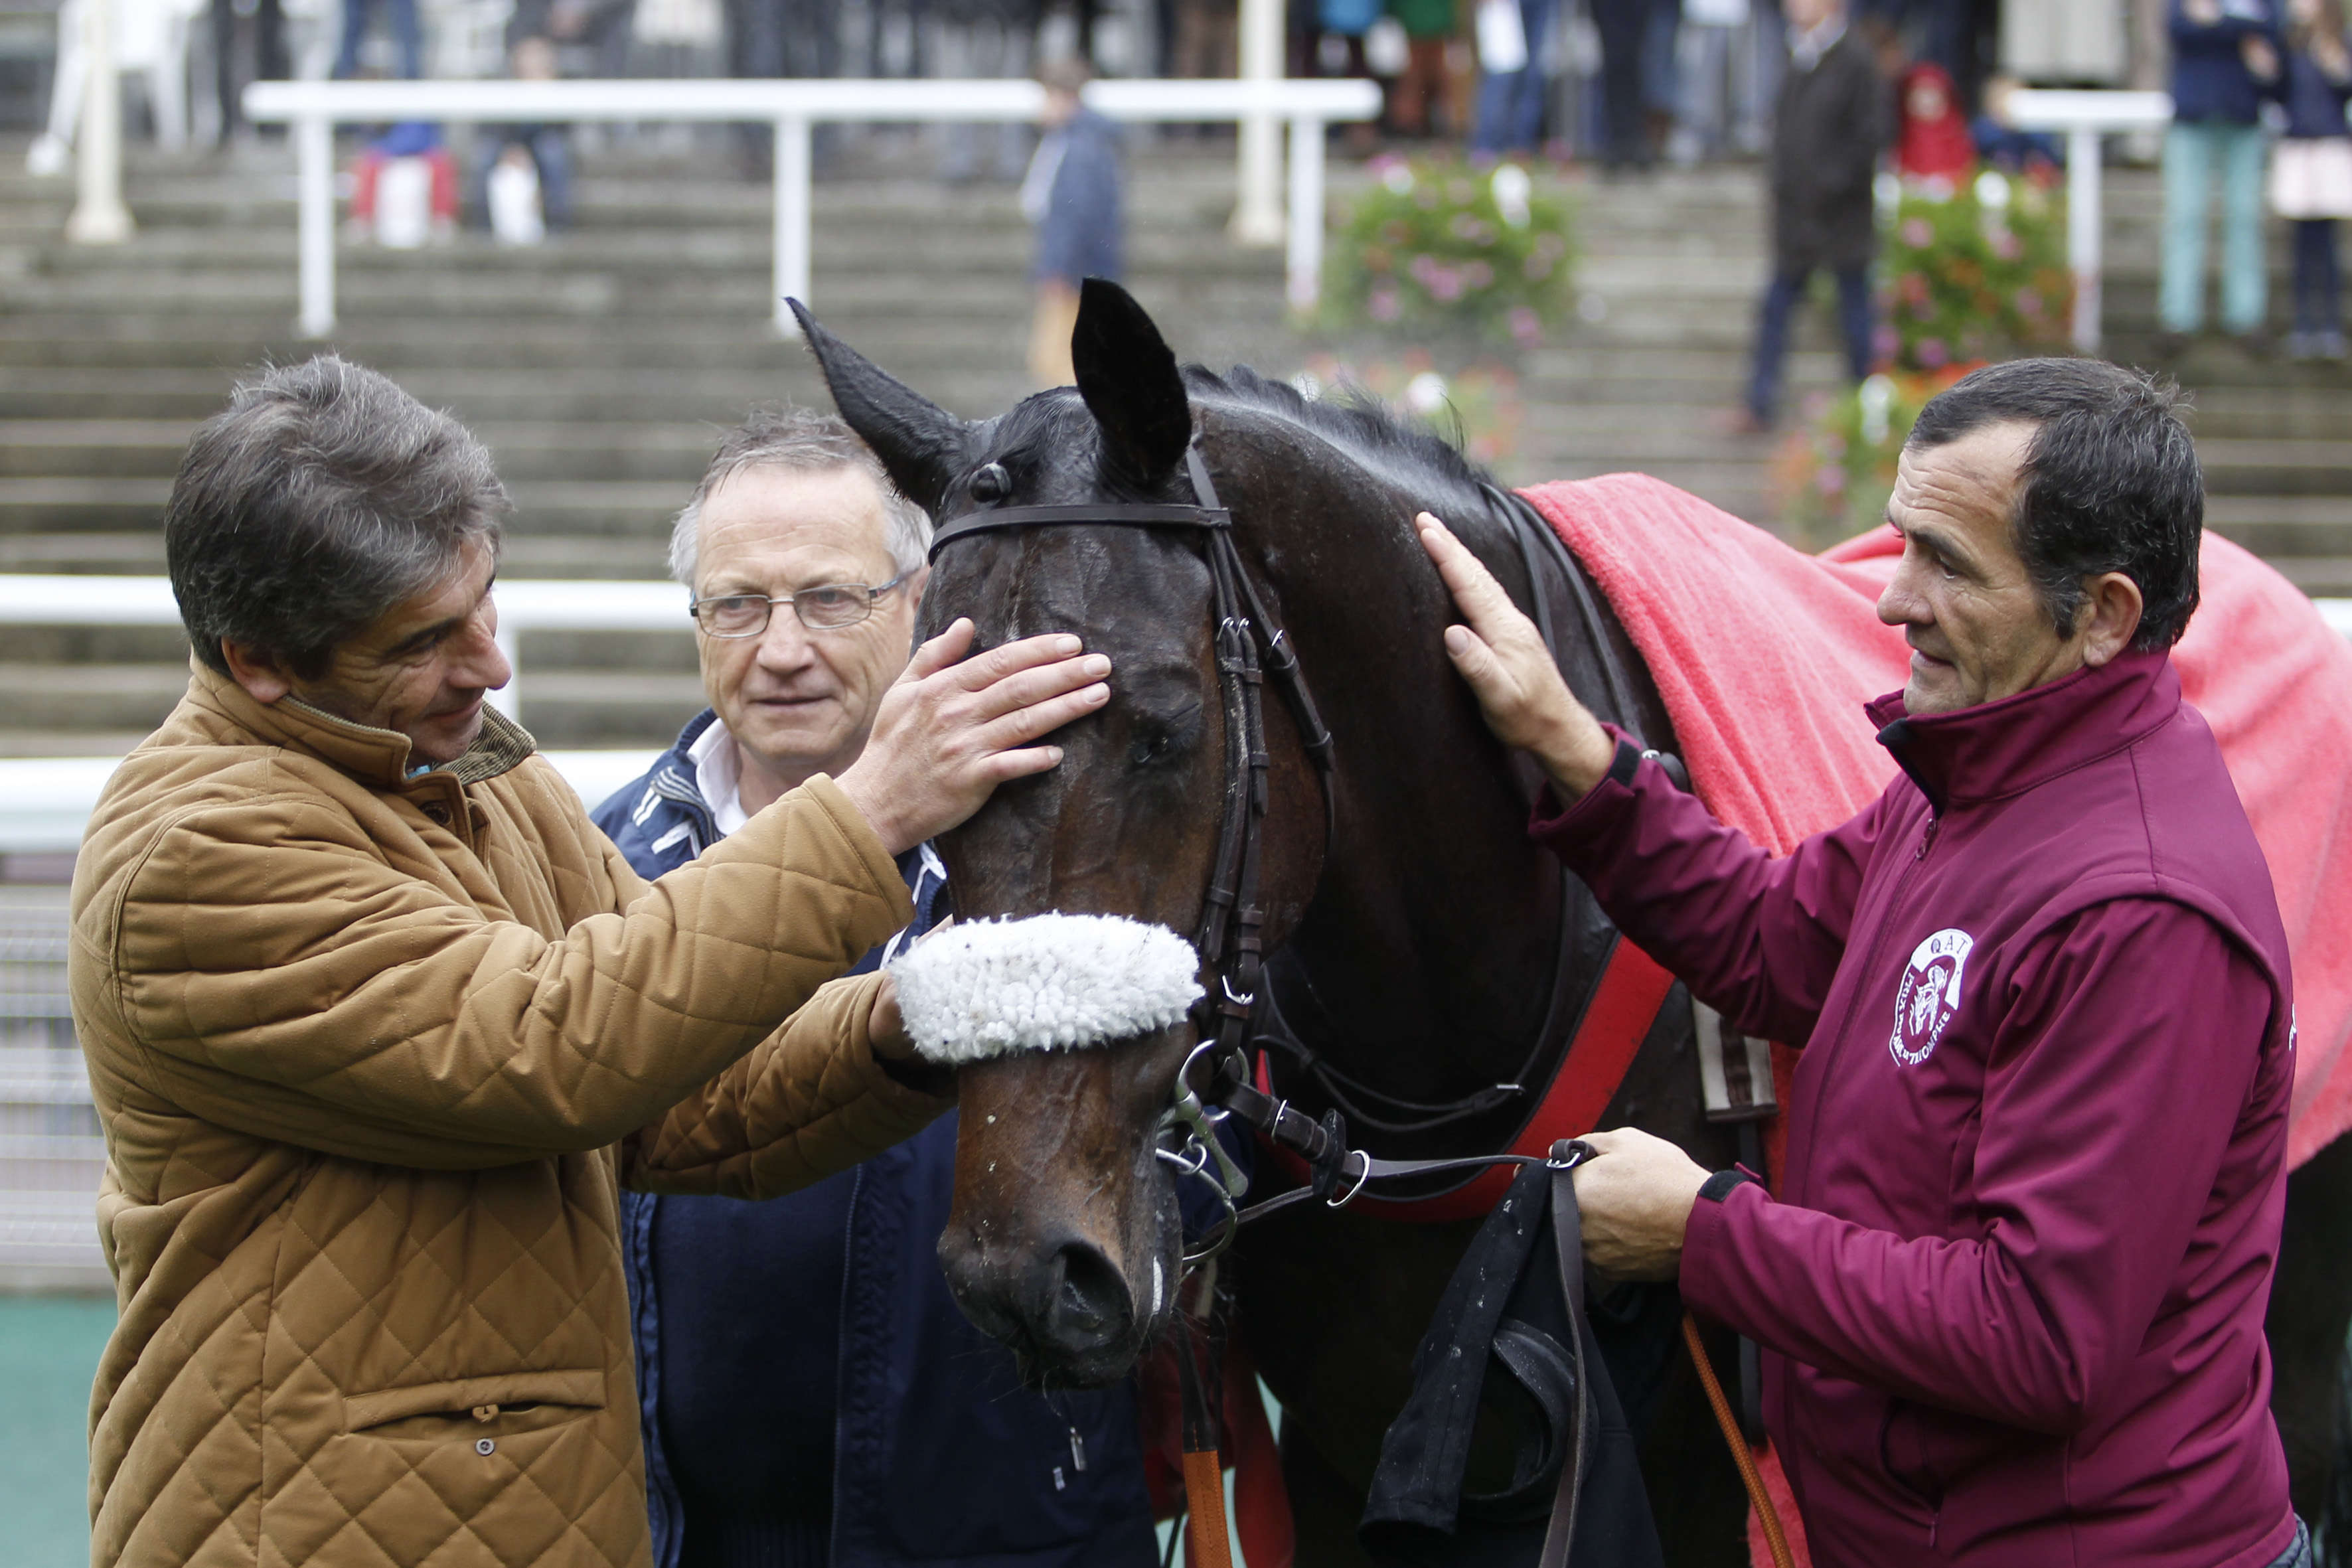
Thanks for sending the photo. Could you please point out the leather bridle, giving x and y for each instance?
(1216, 1077)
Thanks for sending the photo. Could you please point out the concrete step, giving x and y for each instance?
(717, 397)
(60, 508)
(2284, 527)
(561, 707)
(635, 551)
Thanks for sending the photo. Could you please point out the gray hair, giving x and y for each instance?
(322, 496)
(802, 440)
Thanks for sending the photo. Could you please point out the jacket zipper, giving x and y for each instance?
(841, 1355)
(1878, 945)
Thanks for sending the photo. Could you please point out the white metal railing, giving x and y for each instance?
(2086, 117)
(524, 605)
(793, 107)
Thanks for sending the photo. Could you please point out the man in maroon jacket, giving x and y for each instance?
(2011, 1288)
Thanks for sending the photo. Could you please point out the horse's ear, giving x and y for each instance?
(920, 444)
(1131, 383)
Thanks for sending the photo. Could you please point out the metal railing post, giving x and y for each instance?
(793, 221)
(99, 216)
(2082, 235)
(1305, 259)
(508, 698)
(314, 176)
(1257, 219)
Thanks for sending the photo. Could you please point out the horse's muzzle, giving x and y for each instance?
(1066, 1310)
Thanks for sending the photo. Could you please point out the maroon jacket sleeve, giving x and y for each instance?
(2116, 1085)
(1756, 938)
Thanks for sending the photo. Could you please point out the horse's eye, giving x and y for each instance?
(990, 483)
(1147, 748)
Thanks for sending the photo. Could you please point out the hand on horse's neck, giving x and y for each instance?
(1430, 944)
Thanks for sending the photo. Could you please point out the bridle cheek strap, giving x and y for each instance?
(1229, 947)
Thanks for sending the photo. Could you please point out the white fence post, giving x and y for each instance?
(2084, 219)
(1257, 220)
(2086, 117)
(793, 221)
(314, 176)
(508, 698)
(99, 216)
(1305, 259)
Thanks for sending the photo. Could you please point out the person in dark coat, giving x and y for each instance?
(1829, 126)
(812, 1395)
(1072, 195)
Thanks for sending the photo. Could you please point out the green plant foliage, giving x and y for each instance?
(1977, 270)
(1437, 246)
(1833, 474)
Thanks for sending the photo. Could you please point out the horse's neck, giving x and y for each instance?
(1427, 962)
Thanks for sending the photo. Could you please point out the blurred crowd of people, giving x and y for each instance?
(1828, 92)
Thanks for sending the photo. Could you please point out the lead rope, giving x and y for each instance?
(1741, 1455)
(1207, 1536)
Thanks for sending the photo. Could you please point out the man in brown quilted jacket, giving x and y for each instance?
(377, 1021)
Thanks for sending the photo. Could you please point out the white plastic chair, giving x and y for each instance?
(151, 41)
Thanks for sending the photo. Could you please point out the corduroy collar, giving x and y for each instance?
(2004, 748)
(378, 758)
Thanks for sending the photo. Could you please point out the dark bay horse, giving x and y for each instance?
(1416, 942)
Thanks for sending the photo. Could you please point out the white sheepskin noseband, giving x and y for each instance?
(1047, 983)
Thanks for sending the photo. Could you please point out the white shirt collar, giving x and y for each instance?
(718, 775)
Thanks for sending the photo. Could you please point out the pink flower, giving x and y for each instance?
(1932, 353)
(1444, 285)
(2007, 246)
(1526, 327)
(1829, 479)
(1477, 274)
(1382, 304)
(1917, 234)
(2029, 303)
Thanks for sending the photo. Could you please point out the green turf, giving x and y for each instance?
(49, 1347)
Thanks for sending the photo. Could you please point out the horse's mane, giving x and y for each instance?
(1419, 461)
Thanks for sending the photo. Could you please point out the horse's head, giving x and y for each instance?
(1064, 1240)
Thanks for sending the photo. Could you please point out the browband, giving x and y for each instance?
(1139, 514)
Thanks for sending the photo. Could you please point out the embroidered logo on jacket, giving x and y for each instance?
(1929, 995)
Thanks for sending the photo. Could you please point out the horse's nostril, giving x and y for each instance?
(1090, 1309)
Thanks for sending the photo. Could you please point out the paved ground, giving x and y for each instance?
(49, 1347)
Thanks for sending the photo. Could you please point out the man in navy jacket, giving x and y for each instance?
(2011, 1288)
(811, 1395)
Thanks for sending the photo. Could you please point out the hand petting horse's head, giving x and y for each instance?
(1065, 1241)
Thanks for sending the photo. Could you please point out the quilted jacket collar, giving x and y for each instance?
(378, 758)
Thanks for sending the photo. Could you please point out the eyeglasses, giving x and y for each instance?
(825, 609)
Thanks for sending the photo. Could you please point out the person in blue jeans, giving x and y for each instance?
(811, 1393)
(2225, 53)
(1511, 102)
(407, 34)
(2311, 171)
